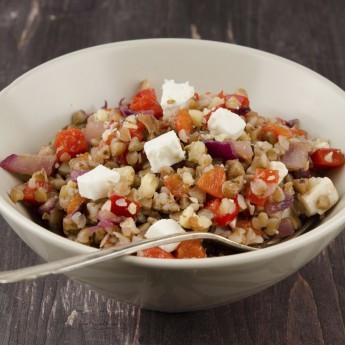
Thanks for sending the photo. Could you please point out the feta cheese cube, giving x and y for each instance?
(165, 227)
(224, 121)
(95, 184)
(282, 170)
(321, 197)
(175, 96)
(163, 151)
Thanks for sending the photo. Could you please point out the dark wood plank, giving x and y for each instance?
(306, 308)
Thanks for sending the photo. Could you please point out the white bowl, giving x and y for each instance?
(40, 102)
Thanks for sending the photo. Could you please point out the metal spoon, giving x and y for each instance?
(79, 261)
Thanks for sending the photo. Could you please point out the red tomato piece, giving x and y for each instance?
(122, 206)
(219, 218)
(270, 177)
(267, 175)
(69, 143)
(157, 253)
(146, 100)
(183, 121)
(324, 158)
(254, 199)
(212, 181)
(29, 193)
(190, 249)
(138, 132)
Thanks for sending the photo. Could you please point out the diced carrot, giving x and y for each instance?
(158, 253)
(212, 181)
(75, 203)
(190, 249)
(298, 131)
(176, 185)
(183, 121)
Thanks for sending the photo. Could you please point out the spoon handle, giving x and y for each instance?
(82, 260)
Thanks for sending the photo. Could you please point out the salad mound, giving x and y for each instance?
(188, 162)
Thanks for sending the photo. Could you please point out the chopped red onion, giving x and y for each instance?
(243, 149)
(93, 130)
(108, 216)
(301, 173)
(219, 149)
(285, 228)
(48, 206)
(105, 224)
(93, 229)
(124, 109)
(274, 207)
(105, 105)
(296, 157)
(29, 164)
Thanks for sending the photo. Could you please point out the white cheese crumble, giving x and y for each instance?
(175, 96)
(163, 151)
(323, 187)
(224, 121)
(282, 170)
(165, 227)
(96, 183)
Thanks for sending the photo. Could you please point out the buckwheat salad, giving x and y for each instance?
(187, 162)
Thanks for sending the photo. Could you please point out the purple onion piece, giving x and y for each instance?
(224, 150)
(241, 110)
(48, 206)
(296, 157)
(29, 164)
(274, 207)
(93, 229)
(124, 109)
(108, 216)
(292, 123)
(76, 173)
(285, 228)
(105, 224)
(301, 173)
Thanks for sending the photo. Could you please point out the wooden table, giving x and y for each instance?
(306, 308)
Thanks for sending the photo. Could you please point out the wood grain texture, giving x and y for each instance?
(306, 308)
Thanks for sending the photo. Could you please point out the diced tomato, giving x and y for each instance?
(176, 185)
(242, 99)
(219, 218)
(122, 206)
(183, 121)
(190, 249)
(324, 158)
(75, 203)
(69, 143)
(267, 175)
(277, 130)
(29, 193)
(138, 132)
(146, 100)
(157, 253)
(254, 199)
(270, 177)
(212, 181)
(196, 96)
